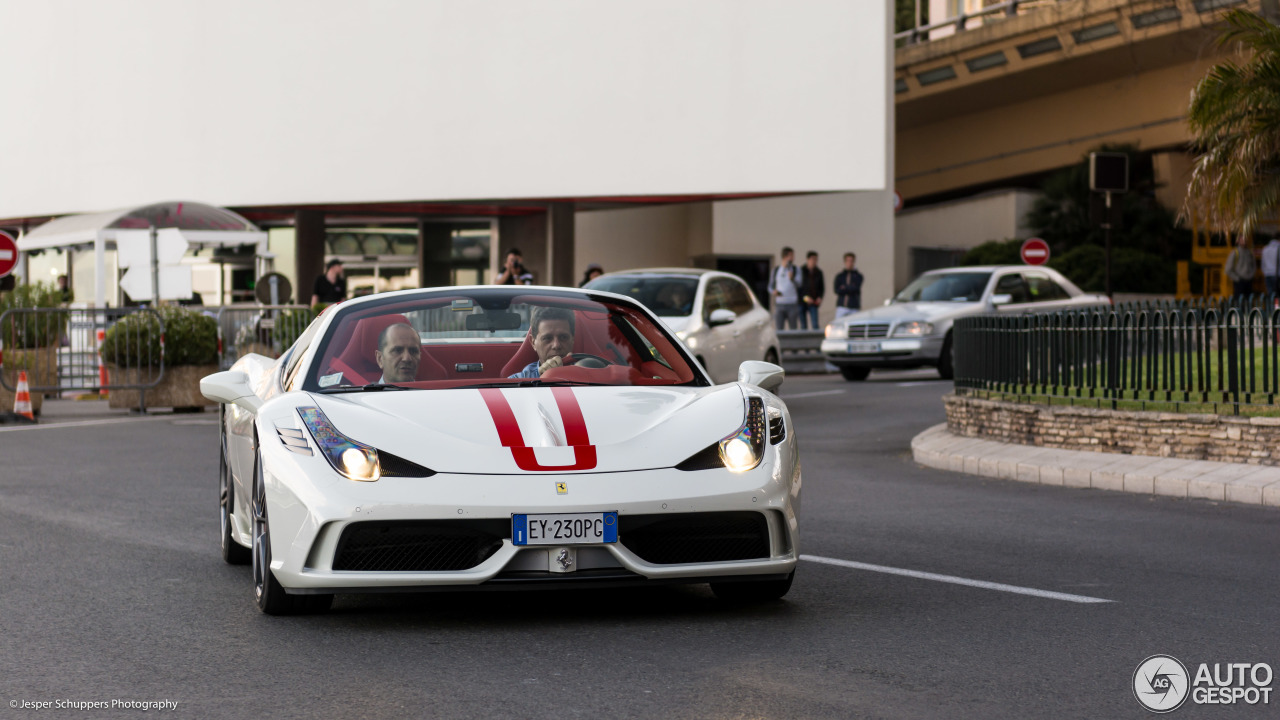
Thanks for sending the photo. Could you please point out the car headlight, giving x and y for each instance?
(913, 329)
(744, 449)
(836, 331)
(351, 459)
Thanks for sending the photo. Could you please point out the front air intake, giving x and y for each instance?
(418, 545)
(695, 537)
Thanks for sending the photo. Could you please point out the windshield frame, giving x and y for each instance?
(487, 296)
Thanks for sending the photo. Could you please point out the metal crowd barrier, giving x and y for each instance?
(263, 329)
(1181, 353)
(801, 351)
(64, 349)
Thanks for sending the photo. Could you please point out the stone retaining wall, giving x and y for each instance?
(1222, 438)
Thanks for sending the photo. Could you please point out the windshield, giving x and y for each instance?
(490, 337)
(945, 287)
(664, 296)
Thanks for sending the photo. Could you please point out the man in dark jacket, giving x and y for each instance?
(848, 287)
(812, 288)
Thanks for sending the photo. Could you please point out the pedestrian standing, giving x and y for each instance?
(1240, 267)
(331, 286)
(1271, 266)
(848, 287)
(784, 291)
(812, 288)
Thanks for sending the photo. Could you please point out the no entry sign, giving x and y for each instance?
(1035, 251)
(8, 254)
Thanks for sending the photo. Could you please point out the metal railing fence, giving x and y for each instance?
(1204, 352)
(65, 349)
(264, 329)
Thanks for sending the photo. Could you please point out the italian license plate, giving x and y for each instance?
(864, 347)
(564, 528)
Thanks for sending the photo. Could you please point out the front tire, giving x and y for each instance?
(269, 595)
(854, 374)
(233, 553)
(946, 361)
(759, 591)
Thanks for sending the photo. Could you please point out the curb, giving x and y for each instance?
(1171, 477)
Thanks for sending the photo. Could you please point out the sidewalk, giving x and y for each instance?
(1225, 482)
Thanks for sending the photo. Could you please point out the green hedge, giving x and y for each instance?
(290, 324)
(32, 330)
(190, 338)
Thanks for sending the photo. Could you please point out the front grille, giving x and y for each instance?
(695, 537)
(418, 545)
(860, 332)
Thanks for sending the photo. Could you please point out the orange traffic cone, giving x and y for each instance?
(22, 399)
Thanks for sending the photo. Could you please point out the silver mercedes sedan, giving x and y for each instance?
(914, 328)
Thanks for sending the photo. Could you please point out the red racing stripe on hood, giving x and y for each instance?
(575, 430)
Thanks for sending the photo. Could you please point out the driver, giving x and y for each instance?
(552, 333)
(398, 354)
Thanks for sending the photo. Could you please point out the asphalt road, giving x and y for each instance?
(111, 588)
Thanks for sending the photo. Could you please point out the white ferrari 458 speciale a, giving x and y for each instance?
(497, 437)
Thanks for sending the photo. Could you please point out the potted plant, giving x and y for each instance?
(31, 339)
(131, 351)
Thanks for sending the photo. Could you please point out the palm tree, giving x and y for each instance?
(1235, 116)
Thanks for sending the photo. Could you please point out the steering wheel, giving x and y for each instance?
(587, 360)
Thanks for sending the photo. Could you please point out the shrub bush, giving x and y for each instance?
(290, 324)
(23, 331)
(190, 338)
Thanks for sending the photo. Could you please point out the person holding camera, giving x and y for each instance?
(513, 271)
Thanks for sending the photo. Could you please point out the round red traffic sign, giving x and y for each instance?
(1035, 251)
(8, 254)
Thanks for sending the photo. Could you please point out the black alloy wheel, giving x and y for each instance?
(854, 373)
(267, 592)
(946, 361)
(233, 553)
(758, 591)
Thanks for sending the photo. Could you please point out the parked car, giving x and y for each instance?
(914, 328)
(714, 313)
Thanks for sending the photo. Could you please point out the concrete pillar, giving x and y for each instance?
(435, 254)
(308, 259)
(560, 244)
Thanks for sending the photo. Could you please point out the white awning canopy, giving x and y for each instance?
(201, 225)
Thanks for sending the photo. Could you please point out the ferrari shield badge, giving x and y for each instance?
(562, 488)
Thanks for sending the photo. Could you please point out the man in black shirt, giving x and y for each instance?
(812, 287)
(848, 288)
(331, 287)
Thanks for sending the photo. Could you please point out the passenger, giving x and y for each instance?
(675, 297)
(398, 354)
(552, 333)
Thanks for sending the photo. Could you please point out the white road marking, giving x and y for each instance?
(812, 394)
(956, 580)
(83, 423)
(913, 384)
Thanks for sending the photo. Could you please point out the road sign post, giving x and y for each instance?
(1035, 251)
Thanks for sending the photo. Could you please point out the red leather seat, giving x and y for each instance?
(357, 363)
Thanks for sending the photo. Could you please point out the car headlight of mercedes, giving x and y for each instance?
(835, 332)
(351, 459)
(913, 329)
